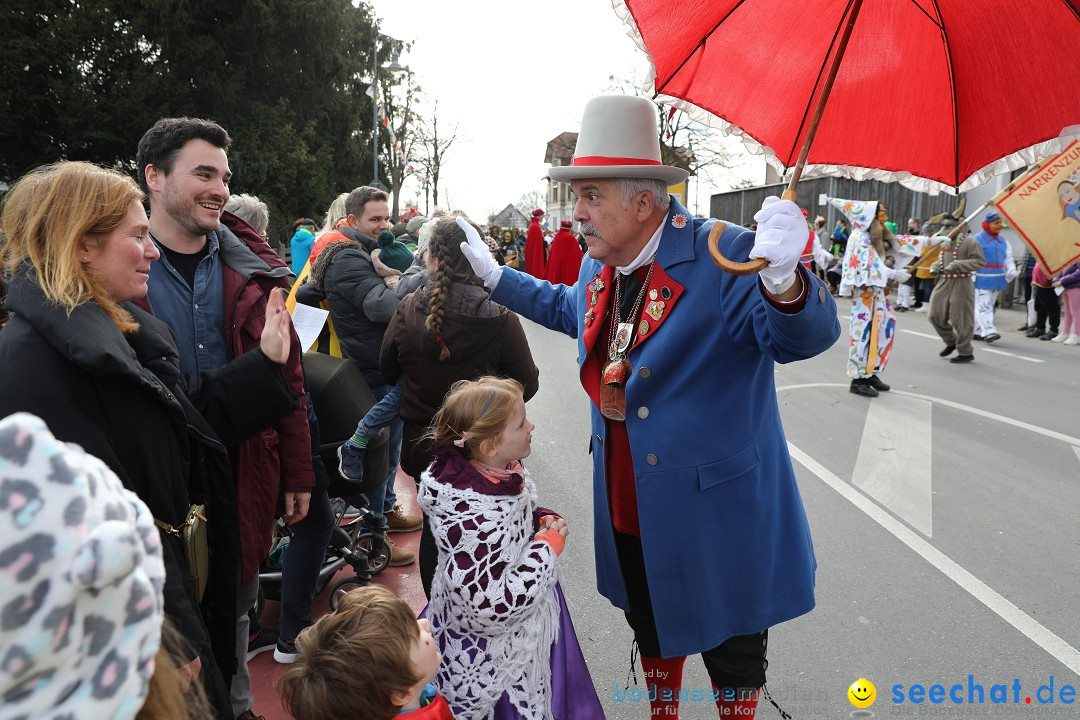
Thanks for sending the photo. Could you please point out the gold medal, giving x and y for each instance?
(655, 309)
(643, 328)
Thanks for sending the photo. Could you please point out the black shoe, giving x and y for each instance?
(962, 359)
(947, 351)
(1034, 332)
(862, 387)
(1048, 335)
(1024, 327)
(285, 651)
(977, 337)
(992, 337)
(875, 382)
(265, 639)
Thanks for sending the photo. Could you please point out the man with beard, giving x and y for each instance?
(211, 286)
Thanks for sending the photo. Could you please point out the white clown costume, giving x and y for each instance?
(865, 277)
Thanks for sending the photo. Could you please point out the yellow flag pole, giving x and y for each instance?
(931, 254)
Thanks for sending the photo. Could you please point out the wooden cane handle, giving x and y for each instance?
(738, 268)
(735, 268)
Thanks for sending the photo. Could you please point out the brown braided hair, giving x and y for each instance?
(453, 267)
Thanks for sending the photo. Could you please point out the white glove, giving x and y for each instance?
(939, 240)
(901, 276)
(781, 238)
(479, 256)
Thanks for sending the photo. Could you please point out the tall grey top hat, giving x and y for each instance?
(618, 139)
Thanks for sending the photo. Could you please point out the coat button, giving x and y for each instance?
(643, 412)
(651, 459)
(644, 372)
(821, 294)
(600, 441)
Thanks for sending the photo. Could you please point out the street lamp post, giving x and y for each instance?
(394, 66)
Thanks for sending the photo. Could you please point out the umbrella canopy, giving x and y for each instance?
(934, 94)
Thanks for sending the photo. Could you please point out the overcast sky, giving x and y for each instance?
(511, 76)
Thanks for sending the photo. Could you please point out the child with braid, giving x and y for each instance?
(497, 611)
(445, 331)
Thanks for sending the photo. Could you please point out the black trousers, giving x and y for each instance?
(1047, 309)
(738, 662)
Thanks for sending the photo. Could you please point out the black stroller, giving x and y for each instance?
(340, 396)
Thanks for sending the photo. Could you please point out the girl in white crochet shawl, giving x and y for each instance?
(497, 611)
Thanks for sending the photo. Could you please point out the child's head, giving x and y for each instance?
(81, 578)
(1067, 192)
(369, 659)
(486, 419)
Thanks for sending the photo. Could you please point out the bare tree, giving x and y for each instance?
(529, 202)
(684, 143)
(433, 148)
(400, 139)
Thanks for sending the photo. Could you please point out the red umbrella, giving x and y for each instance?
(934, 94)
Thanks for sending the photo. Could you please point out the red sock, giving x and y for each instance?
(737, 707)
(663, 674)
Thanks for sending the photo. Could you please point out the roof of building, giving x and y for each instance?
(561, 147)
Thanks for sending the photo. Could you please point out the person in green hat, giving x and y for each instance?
(391, 258)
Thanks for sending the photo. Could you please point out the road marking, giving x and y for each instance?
(1077, 451)
(989, 350)
(1018, 357)
(924, 335)
(893, 465)
(1054, 434)
(1066, 654)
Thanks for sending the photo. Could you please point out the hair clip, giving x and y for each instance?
(465, 437)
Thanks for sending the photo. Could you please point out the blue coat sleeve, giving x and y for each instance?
(553, 306)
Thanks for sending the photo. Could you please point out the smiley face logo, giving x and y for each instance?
(862, 693)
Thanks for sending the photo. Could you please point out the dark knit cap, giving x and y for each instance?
(393, 253)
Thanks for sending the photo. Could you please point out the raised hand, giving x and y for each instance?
(781, 238)
(276, 334)
(479, 256)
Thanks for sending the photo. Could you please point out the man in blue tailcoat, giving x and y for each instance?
(700, 533)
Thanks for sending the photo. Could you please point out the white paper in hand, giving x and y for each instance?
(308, 322)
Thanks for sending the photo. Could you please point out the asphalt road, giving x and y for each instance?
(944, 516)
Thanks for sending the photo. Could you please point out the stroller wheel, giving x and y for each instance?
(376, 548)
(342, 587)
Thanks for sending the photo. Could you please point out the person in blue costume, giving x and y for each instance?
(700, 537)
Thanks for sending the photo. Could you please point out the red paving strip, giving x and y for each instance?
(405, 581)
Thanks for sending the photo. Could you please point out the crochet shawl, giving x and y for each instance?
(493, 608)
